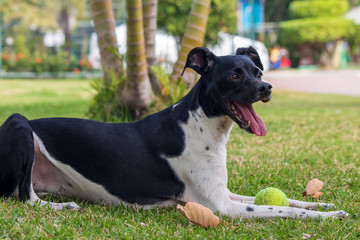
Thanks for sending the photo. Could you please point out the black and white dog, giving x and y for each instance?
(176, 155)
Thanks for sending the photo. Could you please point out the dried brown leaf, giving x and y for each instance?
(317, 194)
(314, 186)
(306, 236)
(199, 214)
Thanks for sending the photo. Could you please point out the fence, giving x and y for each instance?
(41, 55)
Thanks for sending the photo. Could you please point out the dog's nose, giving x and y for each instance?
(264, 87)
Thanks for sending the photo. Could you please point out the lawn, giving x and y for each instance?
(308, 136)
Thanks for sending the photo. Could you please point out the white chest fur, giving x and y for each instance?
(202, 165)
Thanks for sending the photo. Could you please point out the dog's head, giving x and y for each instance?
(234, 83)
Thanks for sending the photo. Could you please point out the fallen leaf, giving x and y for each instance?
(199, 214)
(318, 194)
(314, 186)
(306, 236)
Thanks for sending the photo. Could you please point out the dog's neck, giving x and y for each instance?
(200, 96)
(217, 128)
(204, 114)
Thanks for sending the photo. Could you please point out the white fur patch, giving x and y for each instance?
(81, 186)
(202, 165)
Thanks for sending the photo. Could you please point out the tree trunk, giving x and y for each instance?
(64, 23)
(138, 92)
(330, 57)
(150, 26)
(193, 37)
(104, 23)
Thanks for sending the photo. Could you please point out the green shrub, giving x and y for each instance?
(38, 64)
(172, 92)
(320, 30)
(106, 105)
(318, 8)
(20, 45)
(317, 23)
(42, 62)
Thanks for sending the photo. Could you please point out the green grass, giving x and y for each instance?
(309, 136)
(44, 98)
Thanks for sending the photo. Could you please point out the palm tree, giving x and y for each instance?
(150, 26)
(193, 37)
(104, 23)
(137, 93)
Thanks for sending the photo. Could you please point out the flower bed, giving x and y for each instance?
(20, 62)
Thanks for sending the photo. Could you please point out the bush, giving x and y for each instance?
(42, 62)
(6, 61)
(38, 64)
(171, 92)
(20, 58)
(320, 30)
(318, 23)
(318, 8)
(106, 105)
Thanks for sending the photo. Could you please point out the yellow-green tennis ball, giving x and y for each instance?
(271, 196)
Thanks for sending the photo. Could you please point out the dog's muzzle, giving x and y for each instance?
(264, 90)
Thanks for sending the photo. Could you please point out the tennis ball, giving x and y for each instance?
(271, 196)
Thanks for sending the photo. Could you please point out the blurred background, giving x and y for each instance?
(38, 36)
(144, 43)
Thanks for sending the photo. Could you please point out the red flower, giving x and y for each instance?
(5, 57)
(38, 60)
(19, 56)
(82, 62)
(76, 70)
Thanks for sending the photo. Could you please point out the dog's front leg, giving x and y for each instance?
(240, 198)
(310, 205)
(292, 202)
(232, 208)
(213, 193)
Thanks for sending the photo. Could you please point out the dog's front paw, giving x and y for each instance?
(326, 206)
(61, 206)
(72, 206)
(339, 214)
(320, 206)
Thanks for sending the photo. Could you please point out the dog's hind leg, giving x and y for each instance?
(16, 157)
(34, 199)
(17, 161)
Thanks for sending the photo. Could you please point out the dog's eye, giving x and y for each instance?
(234, 76)
(259, 76)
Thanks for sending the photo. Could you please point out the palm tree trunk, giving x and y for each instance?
(104, 23)
(193, 37)
(138, 92)
(64, 22)
(150, 26)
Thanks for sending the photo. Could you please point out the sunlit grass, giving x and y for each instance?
(308, 136)
(44, 98)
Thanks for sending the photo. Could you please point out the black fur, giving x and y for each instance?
(16, 156)
(128, 158)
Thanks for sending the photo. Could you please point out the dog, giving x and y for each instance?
(176, 155)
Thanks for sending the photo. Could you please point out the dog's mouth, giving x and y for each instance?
(246, 117)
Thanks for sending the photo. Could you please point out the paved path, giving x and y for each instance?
(345, 82)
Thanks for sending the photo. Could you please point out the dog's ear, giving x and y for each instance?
(252, 53)
(199, 59)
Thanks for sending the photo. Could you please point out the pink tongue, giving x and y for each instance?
(256, 123)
